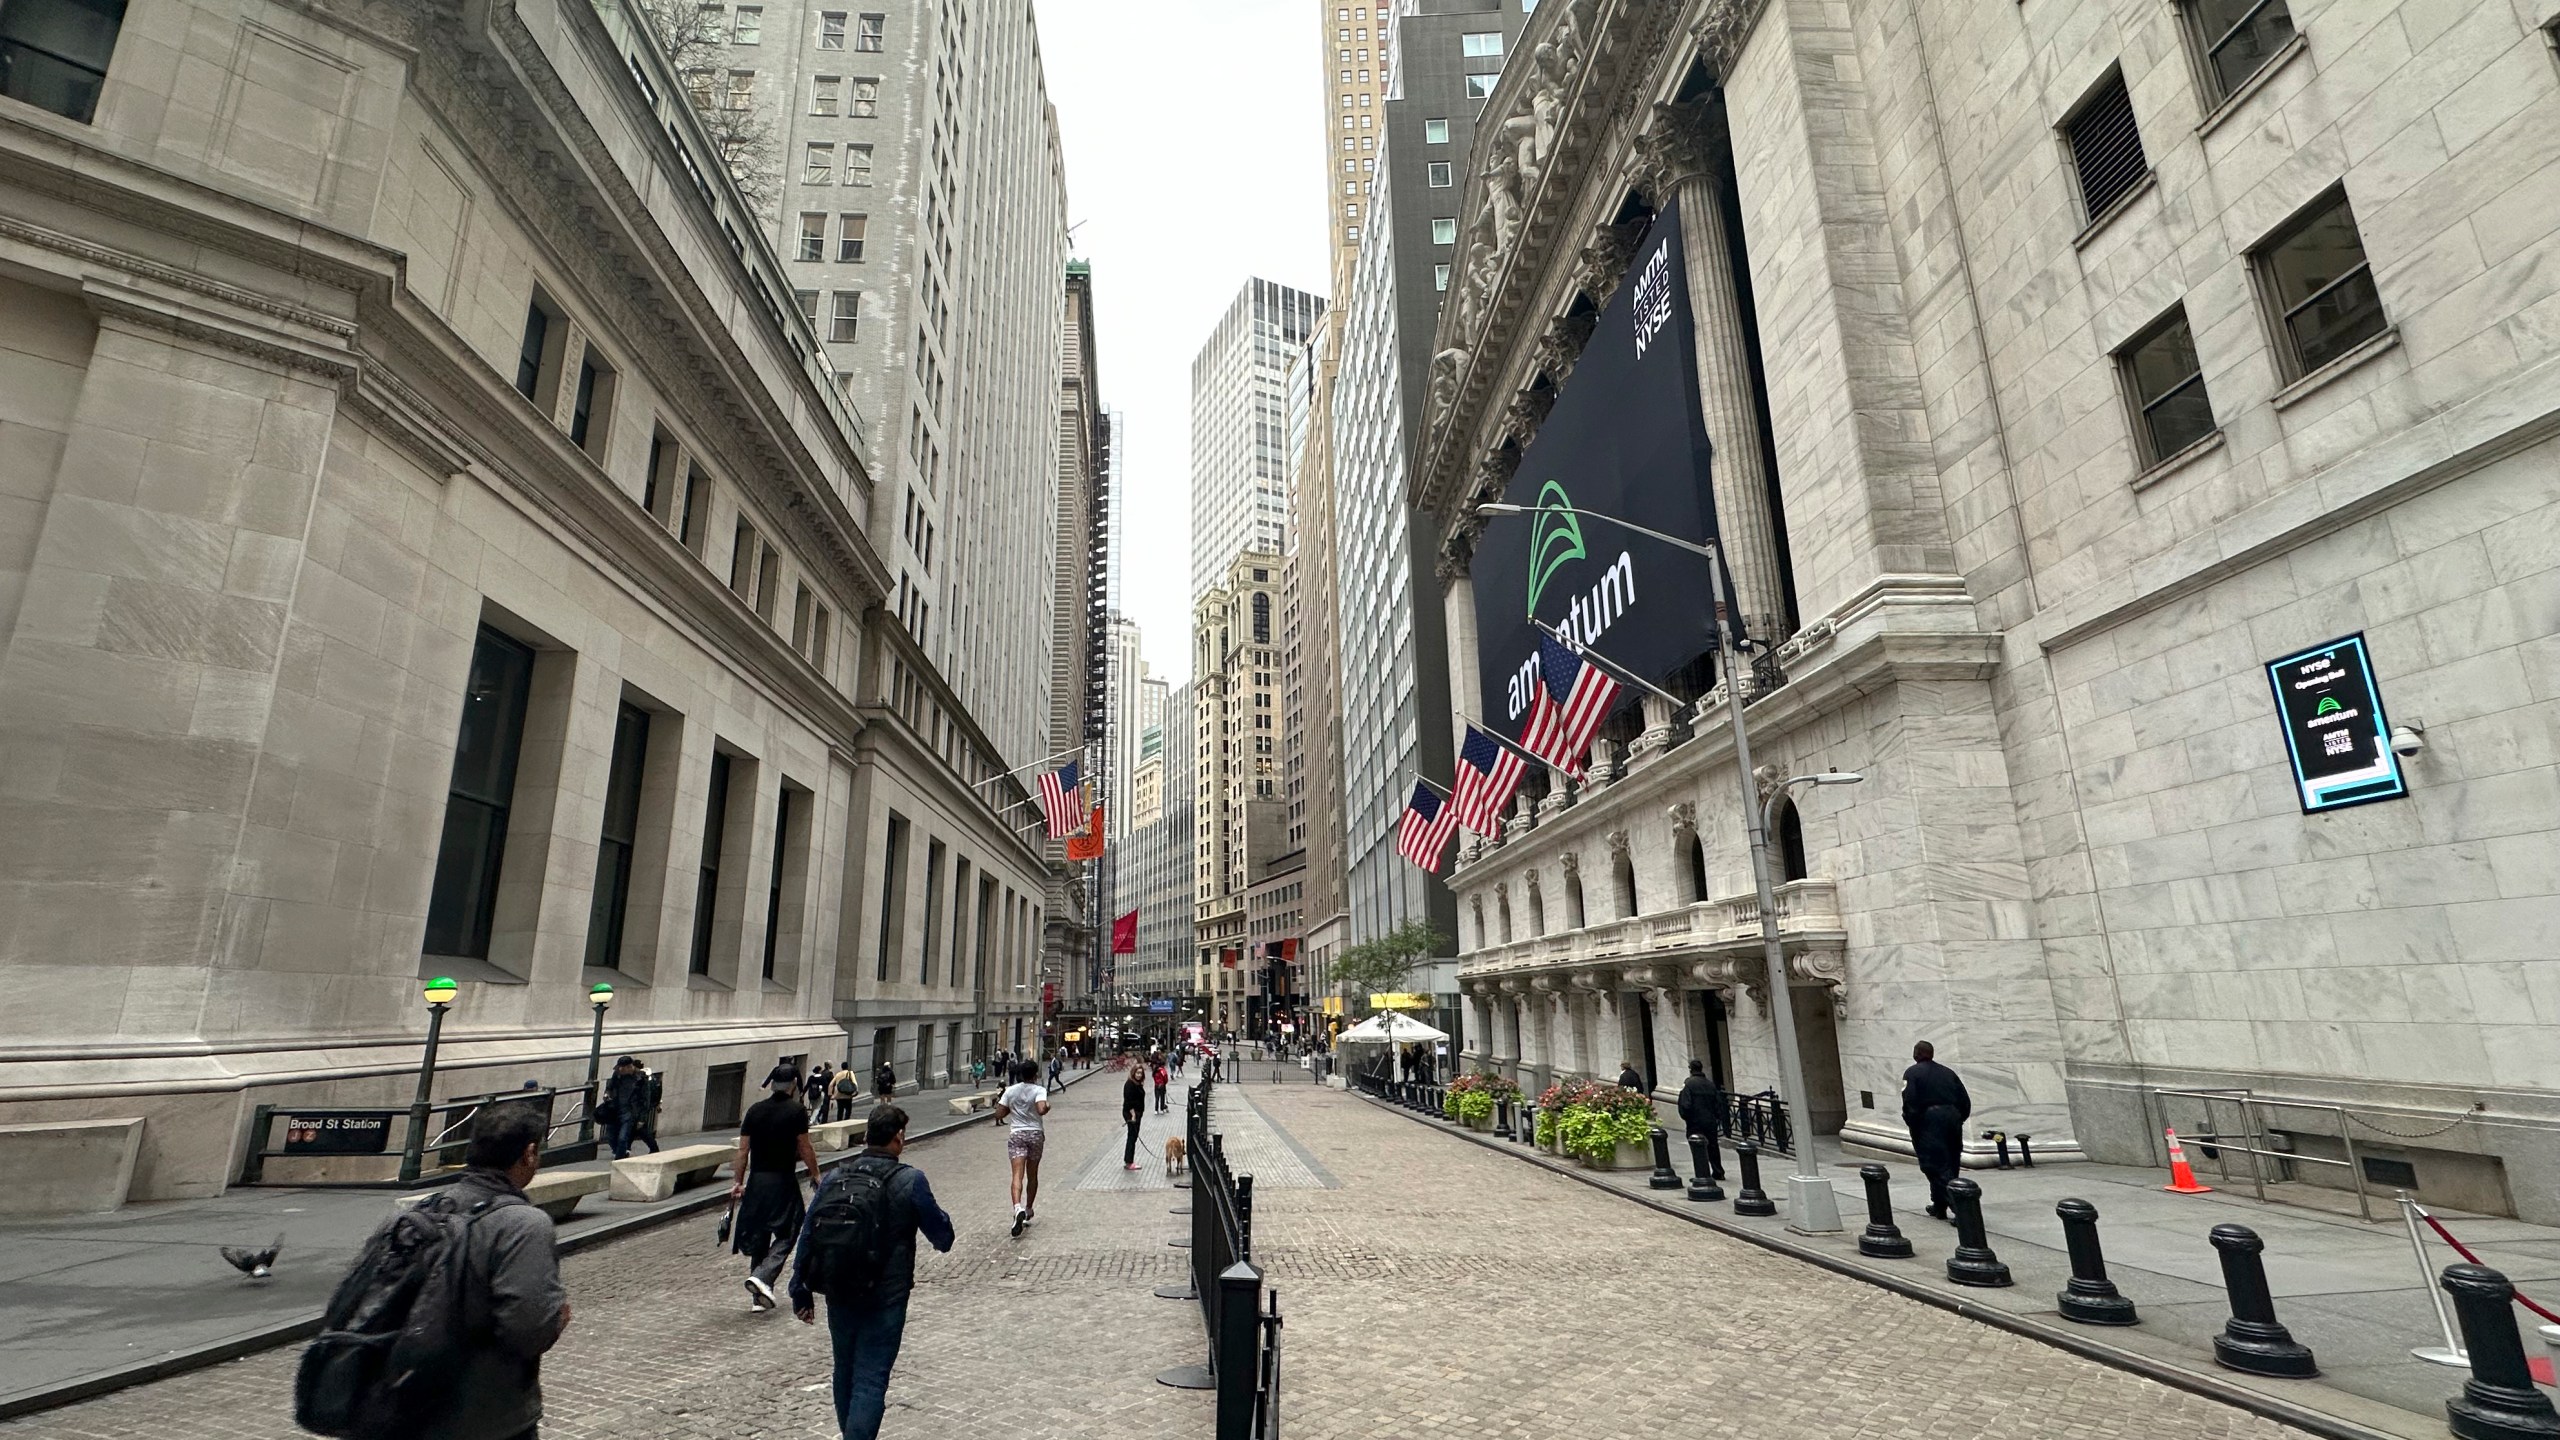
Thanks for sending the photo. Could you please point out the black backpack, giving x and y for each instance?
(852, 1229)
(395, 1328)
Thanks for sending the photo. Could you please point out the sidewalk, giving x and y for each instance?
(2348, 1289)
(92, 1303)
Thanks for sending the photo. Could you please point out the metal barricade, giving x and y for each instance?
(2247, 1109)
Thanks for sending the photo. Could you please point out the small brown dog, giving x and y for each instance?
(1177, 1156)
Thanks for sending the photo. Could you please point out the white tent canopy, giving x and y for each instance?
(1376, 1031)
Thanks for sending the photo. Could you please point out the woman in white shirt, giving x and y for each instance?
(1022, 1104)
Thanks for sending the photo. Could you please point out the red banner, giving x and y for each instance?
(1289, 949)
(1087, 846)
(1124, 934)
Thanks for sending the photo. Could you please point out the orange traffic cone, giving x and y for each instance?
(2182, 1176)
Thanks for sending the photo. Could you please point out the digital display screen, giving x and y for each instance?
(2334, 727)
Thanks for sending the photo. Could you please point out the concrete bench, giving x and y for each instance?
(651, 1178)
(972, 1104)
(67, 1167)
(555, 1193)
(832, 1135)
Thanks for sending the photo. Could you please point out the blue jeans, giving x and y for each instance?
(866, 1343)
(628, 1131)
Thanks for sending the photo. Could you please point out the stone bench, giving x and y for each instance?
(972, 1104)
(555, 1193)
(650, 1178)
(67, 1167)
(832, 1135)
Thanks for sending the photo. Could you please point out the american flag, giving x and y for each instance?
(1422, 836)
(1487, 774)
(1060, 801)
(1572, 698)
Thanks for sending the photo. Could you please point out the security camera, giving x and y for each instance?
(2408, 740)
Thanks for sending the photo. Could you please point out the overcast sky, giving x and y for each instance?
(1194, 138)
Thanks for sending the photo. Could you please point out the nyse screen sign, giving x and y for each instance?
(2334, 726)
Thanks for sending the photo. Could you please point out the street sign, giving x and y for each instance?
(1160, 1007)
(368, 1133)
(2334, 728)
(1399, 1000)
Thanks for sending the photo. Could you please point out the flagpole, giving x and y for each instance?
(1442, 791)
(1605, 663)
(1498, 738)
(1034, 765)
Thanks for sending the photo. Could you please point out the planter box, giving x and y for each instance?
(1628, 1157)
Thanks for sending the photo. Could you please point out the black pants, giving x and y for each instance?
(1129, 1152)
(1159, 1099)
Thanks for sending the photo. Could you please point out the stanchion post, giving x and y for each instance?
(1239, 1331)
(2091, 1298)
(1702, 1169)
(1751, 1199)
(2450, 1353)
(2254, 1342)
(1973, 1263)
(2498, 1402)
(1882, 1239)
(1663, 1177)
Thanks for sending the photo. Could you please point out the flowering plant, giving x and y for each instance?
(1470, 1098)
(1594, 1118)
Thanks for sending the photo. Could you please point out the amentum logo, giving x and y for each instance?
(1653, 297)
(1555, 539)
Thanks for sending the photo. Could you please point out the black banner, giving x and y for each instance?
(1626, 438)
(2334, 728)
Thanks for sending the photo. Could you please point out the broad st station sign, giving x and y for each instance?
(2334, 726)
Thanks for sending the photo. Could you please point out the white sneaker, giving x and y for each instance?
(1020, 1216)
(759, 1293)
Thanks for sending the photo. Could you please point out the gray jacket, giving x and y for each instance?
(515, 1300)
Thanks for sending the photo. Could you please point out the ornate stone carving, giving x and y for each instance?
(1445, 369)
(1684, 817)
(1825, 967)
(1559, 348)
(1570, 862)
(1604, 260)
(1617, 844)
(1681, 140)
(1721, 31)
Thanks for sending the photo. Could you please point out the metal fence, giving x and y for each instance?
(1243, 1333)
(434, 1143)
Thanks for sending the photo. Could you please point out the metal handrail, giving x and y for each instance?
(262, 1130)
(2253, 1133)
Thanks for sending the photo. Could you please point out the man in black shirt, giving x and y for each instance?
(1934, 1109)
(1133, 1111)
(1702, 1113)
(772, 1138)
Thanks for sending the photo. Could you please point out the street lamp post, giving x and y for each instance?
(439, 994)
(601, 997)
(1812, 1206)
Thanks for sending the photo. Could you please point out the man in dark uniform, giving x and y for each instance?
(1702, 1113)
(1934, 1109)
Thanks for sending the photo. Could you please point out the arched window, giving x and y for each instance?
(1791, 843)
(1573, 901)
(1626, 878)
(1261, 619)
(1697, 849)
(1537, 912)
(1479, 909)
(1502, 899)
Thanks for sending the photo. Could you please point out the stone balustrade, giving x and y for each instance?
(1808, 912)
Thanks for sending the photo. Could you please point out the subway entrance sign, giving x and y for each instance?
(2334, 728)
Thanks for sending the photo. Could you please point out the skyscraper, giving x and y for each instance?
(1125, 702)
(1355, 52)
(1239, 387)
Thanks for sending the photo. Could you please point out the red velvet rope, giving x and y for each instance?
(2465, 1252)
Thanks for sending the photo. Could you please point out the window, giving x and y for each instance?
(54, 53)
(742, 560)
(831, 30)
(808, 303)
(866, 32)
(844, 324)
(825, 93)
(593, 403)
(742, 90)
(813, 237)
(748, 27)
(819, 167)
(1480, 43)
(706, 890)
(696, 518)
(1437, 175)
(532, 352)
(866, 97)
(2315, 272)
(479, 797)
(773, 887)
(768, 580)
(893, 895)
(662, 459)
(2166, 382)
(2237, 37)
(2106, 147)
(1480, 86)
(857, 164)
(1444, 231)
(1439, 277)
(850, 230)
(932, 906)
(621, 831)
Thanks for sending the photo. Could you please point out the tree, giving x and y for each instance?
(692, 35)
(1385, 963)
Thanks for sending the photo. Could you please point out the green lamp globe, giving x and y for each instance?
(440, 991)
(600, 995)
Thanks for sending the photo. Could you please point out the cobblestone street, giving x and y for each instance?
(1431, 1289)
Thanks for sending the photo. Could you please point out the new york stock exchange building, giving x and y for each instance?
(2129, 433)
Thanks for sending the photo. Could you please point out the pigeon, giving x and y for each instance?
(256, 1264)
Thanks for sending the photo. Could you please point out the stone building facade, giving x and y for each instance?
(2066, 363)
(1239, 816)
(434, 544)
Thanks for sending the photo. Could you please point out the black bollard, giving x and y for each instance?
(2026, 1151)
(2254, 1342)
(1702, 1168)
(2091, 1298)
(1999, 1138)
(1973, 1263)
(1664, 1177)
(2498, 1402)
(1882, 1238)
(1502, 1119)
(1749, 1200)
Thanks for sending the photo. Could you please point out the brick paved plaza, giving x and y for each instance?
(1432, 1289)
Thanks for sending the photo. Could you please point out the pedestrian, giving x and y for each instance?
(1056, 1069)
(784, 1078)
(1632, 1078)
(1934, 1109)
(626, 1109)
(1133, 1112)
(494, 1328)
(858, 1248)
(1701, 1107)
(1022, 1105)
(1162, 1078)
(884, 1080)
(813, 1094)
(771, 1139)
(847, 1090)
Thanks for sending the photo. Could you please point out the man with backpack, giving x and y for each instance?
(848, 1090)
(438, 1332)
(858, 1249)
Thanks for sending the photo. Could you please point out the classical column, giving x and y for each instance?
(1458, 606)
(1656, 736)
(1681, 154)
